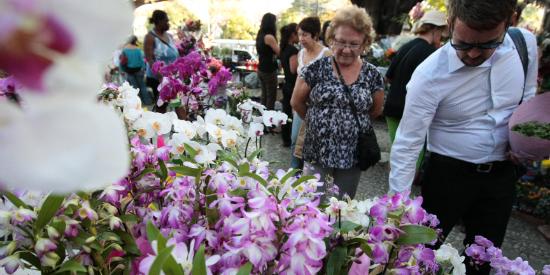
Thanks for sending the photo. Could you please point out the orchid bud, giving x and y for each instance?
(7, 249)
(86, 249)
(90, 270)
(117, 247)
(49, 259)
(115, 222)
(52, 232)
(90, 239)
(110, 208)
(44, 246)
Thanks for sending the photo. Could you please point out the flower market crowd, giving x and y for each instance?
(158, 166)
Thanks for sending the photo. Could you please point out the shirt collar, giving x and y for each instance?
(456, 64)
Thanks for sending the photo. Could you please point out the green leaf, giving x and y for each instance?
(256, 177)
(254, 154)
(345, 226)
(416, 234)
(15, 200)
(244, 169)
(172, 267)
(47, 211)
(336, 260)
(153, 233)
(163, 171)
(129, 243)
(366, 249)
(291, 173)
(31, 258)
(145, 172)
(159, 261)
(225, 156)
(199, 262)
(109, 236)
(245, 269)
(71, 266)
(190, 150)
(303, 179)
(186, 171)
(129, 218)
(59, 225)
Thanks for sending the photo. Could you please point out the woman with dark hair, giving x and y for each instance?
(134, 69)
(158, 46)
(289, 62)
(268, 50)
(323, 40)
(309, 30)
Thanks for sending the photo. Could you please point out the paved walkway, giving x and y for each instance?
(522, 238)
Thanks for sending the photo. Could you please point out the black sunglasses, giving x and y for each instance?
(481, 46)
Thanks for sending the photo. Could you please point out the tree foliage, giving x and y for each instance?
(238, 27)
(303, 8)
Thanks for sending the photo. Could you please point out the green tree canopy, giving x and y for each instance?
(238, 27)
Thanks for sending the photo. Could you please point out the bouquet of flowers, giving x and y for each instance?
(530, 129)
(190, 83)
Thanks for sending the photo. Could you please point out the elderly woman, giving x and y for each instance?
(320, 97)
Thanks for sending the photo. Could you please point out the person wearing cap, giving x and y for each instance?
(462, 97)
(429, 30)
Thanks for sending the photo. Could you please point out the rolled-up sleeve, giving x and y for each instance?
(420, 107)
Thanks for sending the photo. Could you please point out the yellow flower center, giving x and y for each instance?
(156, 126)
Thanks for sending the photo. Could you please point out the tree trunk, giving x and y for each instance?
(387, 15)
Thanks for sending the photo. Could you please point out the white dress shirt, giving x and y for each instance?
(463, 110)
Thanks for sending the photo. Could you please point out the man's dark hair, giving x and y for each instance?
(311, 25)
(481, 14)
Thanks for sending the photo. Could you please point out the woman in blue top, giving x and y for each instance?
(158, 46)
(134, 69)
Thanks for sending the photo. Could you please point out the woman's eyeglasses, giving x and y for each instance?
(342, 45)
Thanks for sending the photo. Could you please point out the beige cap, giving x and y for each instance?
(431, 17)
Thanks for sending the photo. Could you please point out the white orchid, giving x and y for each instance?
(62, 138)
(128, 98)
(152, 124)
(255, 130)
(229, 139)
(449, 254)
(274, 118)
(184, 127)
(205, 153)
(178, 143)
(200, 126)
(215, 116)
(214, 132)
(233, 123)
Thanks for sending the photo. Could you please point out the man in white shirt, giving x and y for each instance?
(462, 97)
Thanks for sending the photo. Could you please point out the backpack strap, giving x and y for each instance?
(521, 47)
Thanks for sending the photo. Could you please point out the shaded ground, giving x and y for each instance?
(522, 238)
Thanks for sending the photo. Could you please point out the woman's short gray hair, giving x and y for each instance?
(354, 17)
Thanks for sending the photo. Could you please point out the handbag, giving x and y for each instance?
(368, 151)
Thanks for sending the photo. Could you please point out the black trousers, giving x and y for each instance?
(479, 195)
(153, 83)
(287, 109)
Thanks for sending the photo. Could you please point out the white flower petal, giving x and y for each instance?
(63, 145)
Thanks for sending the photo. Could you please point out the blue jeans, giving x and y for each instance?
(137, 80)
(296, 123)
